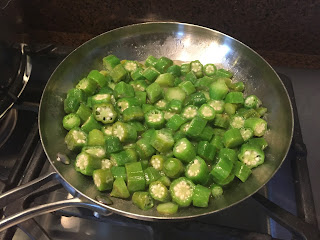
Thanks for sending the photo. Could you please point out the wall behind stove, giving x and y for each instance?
(276, 28)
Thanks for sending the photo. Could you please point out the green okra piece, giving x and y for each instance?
(158, 191)
(71, 104)
(141, 97)
(147, 107)
(175, 93)
(189, 112)
(181, 191)
(157, 162)
(110, 61)
(232, 138)
(206, 151)
(246, 133)
(197, 68)
(251, 155)
(163, 64)
(161, 104)
(185, 68)
(167, 208)
(206, 134)
(201, 196)
(151, 175)
(123, 90)
(165, 80)
(135, 177)
(130, 66)
(133, 113)
(173, 167)
(124, 103)
(221, 170)
(197, 99)
(139, 85)
(98, 152)
(230, 108)
(98, 77)
(103, 179)
(100, 98)
(206, 112)
(165, 180)
(184, 150)
(139, 127)
(154, 92)
(151, 74)
(187, 87)
(257, 125)
(162, 140)
(228, 153)
(238, 86)
(148, 134)
(118, 73)
(252, 101)
(119, 172)
(90, 124)
(137, 75)
(219, 131)
(204, 83)
(217, 141)
(248, 113)
(151, 61)
(142, 200)
(86, 164)
(216, 190)
(191, 77)
(104, 112)
(106, 164)
(234, 97)
(175, 122)
(175, 70)
(196, 126)
(88, 85)
(260, 142)
(221, 120)
(70, 121)
(209, 69)
(125, 132)
(96, 138)
(223, 73)
(154, 119)
(144, 148)
(75, 139)
(237, 121)
(177, 81)
(124, 157)
(113, 144)
(107, 130)
(197, 171)
(241, 171)
(262, 111)
(175, 106)
(218, 90)
(119, 189)
(217, 105)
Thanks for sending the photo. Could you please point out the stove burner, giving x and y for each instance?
(7, 125)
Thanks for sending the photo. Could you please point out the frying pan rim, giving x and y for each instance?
(157, 218)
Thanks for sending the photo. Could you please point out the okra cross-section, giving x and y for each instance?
(124, 132)
(154, 119)
(104, 112)
(159, 192)
(86, 164)
(181, 191)
(184, 150)
(142, 200)
(75, 139)
(251, 155)
(258, 126)
(162, 140)
(197, 171)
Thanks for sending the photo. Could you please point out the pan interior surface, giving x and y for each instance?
(182, 42)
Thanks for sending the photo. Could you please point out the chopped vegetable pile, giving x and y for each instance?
(164, 135)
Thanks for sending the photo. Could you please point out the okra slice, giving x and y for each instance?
(70, 121)
(238, 86)
(113, 144)
(151, 61)
(162, 140)
(219, 131)
(167, 208)
(88, 85)
(187, 87)
(163, 64)
(181, 191)
(96, 138)
(205, 135)
(147, 107)
(204, 84)
(257, 125)
(218, 90)
(221, 120)
(139, 85)
(185, 68)
(75, 139)
(191, 77)
(134, 113)
(209, 69)
(242, 171)
(232, 138)
(175, 106)
(165, 80)
(124, 103)
(90, 124)
(260, 142)
(177, 81)
(142, 200)
(246, 133)
(201, 196)
(206, 112)
(154, 92)
(119, 189)
(124, 157)
(130, 66)
(141, 97)
(110, 61)
(230, 108)
(223, 73)
(175, 93)
(251, 155)
(237, 121)
(175, 70)
(135, 177)
(151, 74)
(221, 170)
(234, 97)
(71, 104)
(248, 113)
(106, 164)
(228, 153)
(98, 152)
(157, 162)
(86, 164)
(175, 122)
(165, 180)
(151, 175)
(197, 99)
(217, 105)
(123, 90)
(104, 112)
(137, 74)
(184, 150)
(206, 150)
(107, 130)
(173, 167)
(262, 111)
(217, 142)
(118, 73)
(161, 104)
(189, 112)
(167, 115)
(216, 190)
(196, 126)
(124, 132)
(159, 191)
(103, 179)
(83, 112)
(140, 128)
(252, 101)
(144, 148)
(98, 77)
(119, 172)
(197, 68)
(154, 119)
(197, 171)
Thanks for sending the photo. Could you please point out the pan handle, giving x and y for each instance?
(26, 189)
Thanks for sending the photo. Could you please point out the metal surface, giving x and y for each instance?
(182, 42)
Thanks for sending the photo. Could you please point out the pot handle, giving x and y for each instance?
(28, 188)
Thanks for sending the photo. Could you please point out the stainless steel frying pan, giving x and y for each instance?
(177, 41)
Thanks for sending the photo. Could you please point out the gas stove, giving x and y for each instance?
(22, 159)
